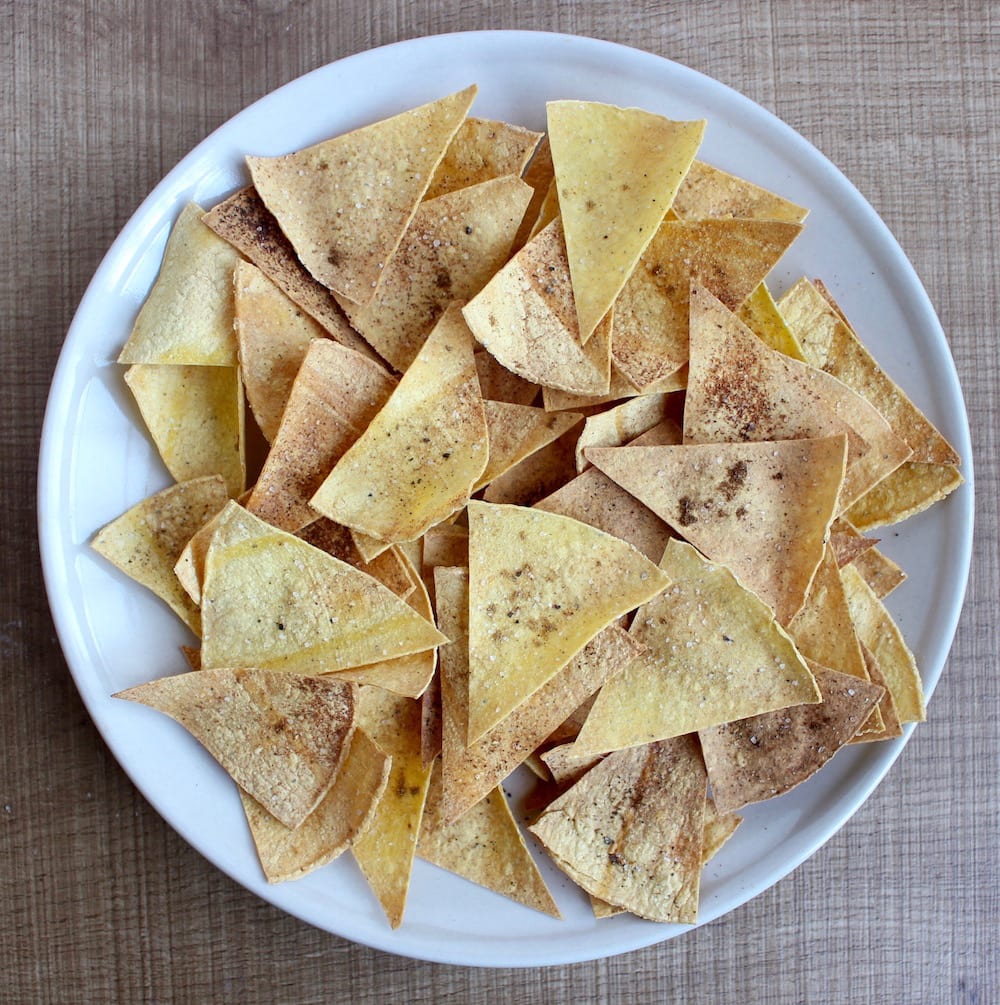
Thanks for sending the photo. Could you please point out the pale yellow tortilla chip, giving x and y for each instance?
(195, 416)
(541, 587)
(719, 828)
(146, 541)
(481, 150)
(336, 394)
(188, 316)
(890, 727)
(485, 847)
(714, 654)
(566, 765)
(764, 756)
(342, 815)
(616, 426)
(708, 192)
(270, 599)
(451, 249)
(617, 171)
(763, 509)
(367, 182)
(630, 832)
(740, 389)
(729, 257)
(909, 490)
(760, 314)
(281, 737)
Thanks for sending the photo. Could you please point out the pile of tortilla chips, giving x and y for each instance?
(551, 480)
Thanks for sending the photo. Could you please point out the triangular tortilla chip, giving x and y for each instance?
(485, 847)
(879, 571)
(719, 828)
(909, 490)
(847, 541)
(481, 150)
(500, 384)
(336, 394)
(418, 459)
(616, 426)
(617, 171)
(188, 316)
(517, 431)
(452, 247)
(730, 257)
(195, 416)
(767, 755)
(366, 182)
(760, 314)
(619, 387)
(715, 653)
(250, 227)
(541, 587)
(539, 474)
(890, 724)
(763, 509)
(539, 176)
(525, 317)
(630, 832)
(280, 736)
(343, 814)
(272, 600)
(708, 192)
(146, 541)
(273, 335)
(739, 389)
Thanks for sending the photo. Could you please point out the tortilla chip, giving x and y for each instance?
(430, 721)
(708, 192)
(767, 755)
(890, 724)
(280, 736)
(739, 389)
(719, 828)
(541, 587)
(499, 384)
(730, 257)
(481, 150)
(909, 490)
(760, 314)
(485, 847)
(714, 654)
(188, 316)
(539, 175)
(525, 317)
(763, 509)
(517, 431)
(343, 814)
(879, 571)
(418, 459)
(618, 388)
(453, 246)
(880, 634)
(617, 171)
(366, 182)
(630, 832)
(619, 425)
(567, 765)
(195, 416)
(445, 545)
(847, 542)
(548, 210)
(274, 601)
(146, 541)
(336, 394)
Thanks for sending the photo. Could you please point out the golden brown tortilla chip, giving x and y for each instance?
(710, 192)
(764, 509)
(541, 587)
(567, 765)
(146, 541)
(847, 541)
(281, 737)
(890, 727)
(342, 815)
(909, 490)
(760, 314)
(617, 171)
(719, 828)
(630, 832)
(366, 182)
(195, 416)
(418, 459)
(187, 318)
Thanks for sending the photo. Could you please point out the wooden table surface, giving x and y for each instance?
(100, 901)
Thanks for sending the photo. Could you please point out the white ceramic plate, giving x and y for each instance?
(96, 461)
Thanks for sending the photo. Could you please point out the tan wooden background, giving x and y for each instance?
(100, 901)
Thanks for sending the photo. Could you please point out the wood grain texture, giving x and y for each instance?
(100, 901)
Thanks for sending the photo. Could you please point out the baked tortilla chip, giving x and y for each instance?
(630, 832)
(146, 541)
(539, 474)
(719, 828)
(621, 424)
(619, 387)
(195, 416)
(188, 316)
(714, 654)
(342, 815)
(499, 384)
(270, 599)
(708, 192)
(767, 755)
(539, 175)
(887, 716)
(763, 509)
(336, 394)
(281, 737)
(541, 587)
(909, 490)
(760, 314)
(617, 171)
(366, 182)
(418, 459)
